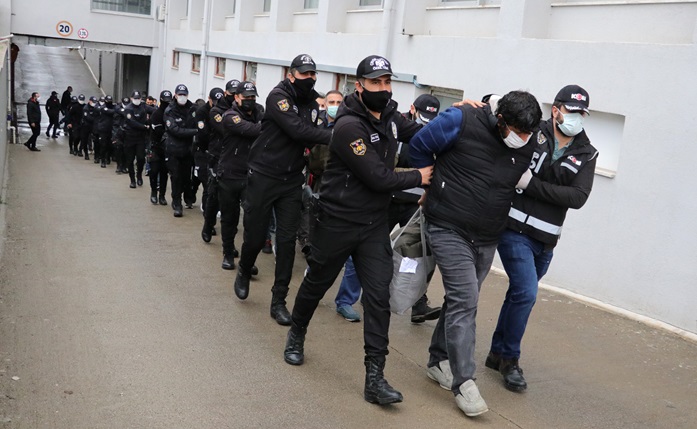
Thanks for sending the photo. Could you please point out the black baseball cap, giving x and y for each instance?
(125, 100)
(427, 107)
(136, 95)
(303, 63)
(231, 86)
(247, 88)
(166, 96)
(93, 99)
(216, 93)
(181, 89)
(574, 98)
(108, 99)
(73, 98)
(102, 99)
(81, 97)
(374, 66)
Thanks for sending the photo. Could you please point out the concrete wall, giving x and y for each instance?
(103, 65)
(631, 245)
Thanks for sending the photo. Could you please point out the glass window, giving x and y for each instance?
(141, 7)
(346, 84)
(267, 5)
(250, 71)
(364, 3)
(195, 63)
(311, 4)
(447, 96)
(220, 67)
(175, 59)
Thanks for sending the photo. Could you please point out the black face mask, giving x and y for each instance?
(248, 105)
(376, 100)
(230, 99)
(303, 87)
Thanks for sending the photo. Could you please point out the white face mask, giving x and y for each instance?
(181, 99)
(101, 103)
(37, 98)
(81, 102)
(136, 101)
(514, 141)
(572, 125)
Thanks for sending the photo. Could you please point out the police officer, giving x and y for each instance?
(242, 125)
(158, 167)
(275, 178)
(73, 118)
(181, 127)
(201, 142)
(352, 220)
(117, 135)
(53, 109)
(104, 126)
(135, 127)
(87, 126)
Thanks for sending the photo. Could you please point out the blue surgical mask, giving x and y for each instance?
(572, 125)
(332, 111)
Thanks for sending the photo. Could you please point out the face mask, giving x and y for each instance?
(81, 102)
(230, 99)
(332, 111)
(420, 121)
(101, 103)
(38, 98)
(572, 125)
(181, 99)
(514, 141)
(303, 87)
(248, 105)
(136, 102)
(376, 100)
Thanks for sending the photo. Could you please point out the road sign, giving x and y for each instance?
(82, 33)
(64, 28)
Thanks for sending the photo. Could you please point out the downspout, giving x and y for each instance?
(205, 32)
(7, 39)
(163, 38)
(386, 29)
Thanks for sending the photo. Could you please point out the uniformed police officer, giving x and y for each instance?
(117, 135)
(275, 178)
(86, 127)
(74, 119)
(135, 137)
(181, 127)
(201, 142)
(352, 219)
(156, 152)
(104, 127)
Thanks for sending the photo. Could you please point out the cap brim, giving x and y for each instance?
(306, 68)
(181, 93)
(576, 108)
(427, 115)
(248, 93)
(378, 73)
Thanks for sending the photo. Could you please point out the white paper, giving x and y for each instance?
(408, 265)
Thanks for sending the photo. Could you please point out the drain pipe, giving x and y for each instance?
(386, 29)
(163, 39)
(205, 32)
(7, 39)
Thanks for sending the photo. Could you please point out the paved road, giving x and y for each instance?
(114, 314)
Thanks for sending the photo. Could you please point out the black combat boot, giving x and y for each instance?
(228, 262)
(279, 311)
(294, 354)
(103, 164)
(512, 375)
(421, 312)
(377, 389)
(242, 284)
(177, 207)
(139, 179)
(206, 235)
(153, 197)
(163, 200)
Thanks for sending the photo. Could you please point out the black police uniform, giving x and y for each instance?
(158, 166)
(33, 117)
(200, 149)
(86, 129)
(53, 109)
(135, 138)
(215, 122)
(117, 135)
(180, 127)
(73, 118)
(104, 126)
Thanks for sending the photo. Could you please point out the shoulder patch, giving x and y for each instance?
(394, 130)
(201, 125)
(358, 147)
(236, 119)
(283, 105)
(541, 139)
(128, 116)
(168, 123)
(218, 118)
(314, 115)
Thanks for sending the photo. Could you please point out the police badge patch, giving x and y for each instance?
(218, 118)
(283, 105)
(541, 139)
(168, 123)
(236, 119)
(128, 116)
(358, 147)
(200, 125)
(314, 115)
(394, 129)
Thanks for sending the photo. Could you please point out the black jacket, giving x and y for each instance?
(117, 122)
(181, 127)
(288, 127)
(53, 107)
(215, 122)
(240, 131)
(33, 112)
(105, 120)
(65, 101)
(88, 117)
(474, 179)
(539, 210)
(157, 123)
(135, 125)
(202, 123)
(359, 176)
(74, 115)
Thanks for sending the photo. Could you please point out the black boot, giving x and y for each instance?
(228, 262)
(279, 311)
(294, 354)
(254, 271)
(163, 200)
(206, 234)
(242, 284)
(421, 312)
(512, 375)
(132, 185)
(139, 179)
(103, 164)
(177, 207)
(153, 197)
(96, 160)
(377, 389)
(214, 233)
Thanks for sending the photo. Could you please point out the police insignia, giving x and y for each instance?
(283, 105)
(218, 118)
(200, 125)
(320, 122)
(394, 129)
(236, 119)
(314, 115)
(541, 139)
(168, 123)
(358, 147)
(128, 116)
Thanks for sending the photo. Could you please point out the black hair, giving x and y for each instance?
(34, 94)
(521, 110)
(334, 91)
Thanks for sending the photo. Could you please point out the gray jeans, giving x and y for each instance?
(463, 268)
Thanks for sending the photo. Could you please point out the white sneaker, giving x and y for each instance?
(442, 374)
(470, 401)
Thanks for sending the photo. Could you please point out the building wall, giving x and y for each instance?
(631, 245)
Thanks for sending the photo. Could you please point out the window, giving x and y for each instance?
(195, 63)
(220, 67)
(141, 7)
(311, 4)
(447, 96)
(370, 3)
(267, 6)
(175, 59)
(346, 84)
(250, 71)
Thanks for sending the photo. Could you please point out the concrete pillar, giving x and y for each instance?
(524, 19)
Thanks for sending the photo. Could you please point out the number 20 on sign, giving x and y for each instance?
(64, 28)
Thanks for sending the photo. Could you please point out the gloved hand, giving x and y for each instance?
(524, 180)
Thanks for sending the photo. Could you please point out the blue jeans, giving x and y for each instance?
(350, 288)
(463, 267)
(525, 261)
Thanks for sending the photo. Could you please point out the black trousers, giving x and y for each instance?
(199, 176)
(134, 151)
(180, 176)
(35, 132)
(73, 139)
(212, 205)
(158, 172)
(119, 155)
(285, 198)
(85, 141)
(333, 240)
(105, 147)
(230, 195)
(53, 123)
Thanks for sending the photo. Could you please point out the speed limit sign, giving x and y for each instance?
(82, 33)
(64, 28)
